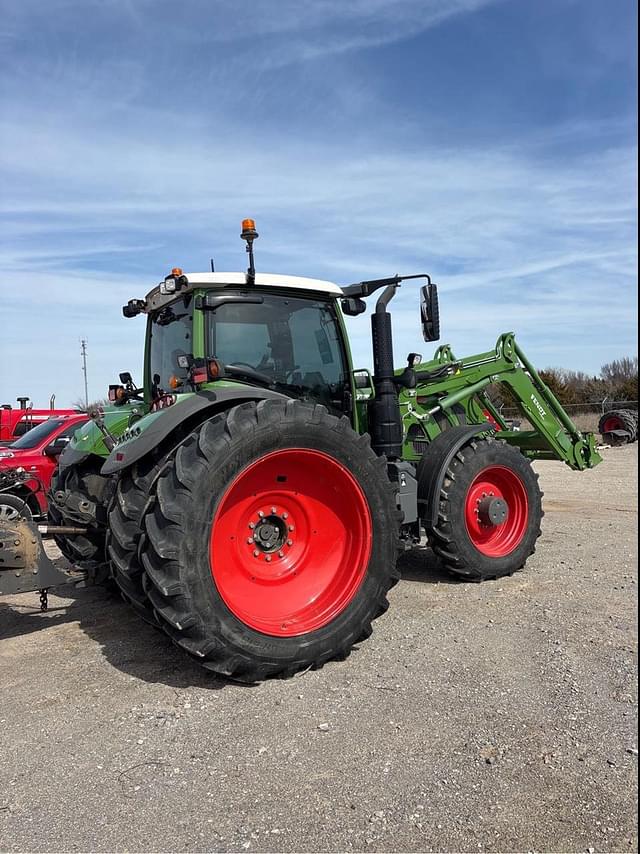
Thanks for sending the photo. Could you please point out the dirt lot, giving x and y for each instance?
(488, 717)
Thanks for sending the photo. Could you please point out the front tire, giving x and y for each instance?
(272, 541)
(489, 513)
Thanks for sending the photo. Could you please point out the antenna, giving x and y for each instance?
(213, 269)
(83, 352)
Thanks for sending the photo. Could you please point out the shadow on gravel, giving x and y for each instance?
(420, 564)
(126, 641)
(134, 647)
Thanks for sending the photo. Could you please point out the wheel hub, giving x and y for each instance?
(492, 511)
(270, 533)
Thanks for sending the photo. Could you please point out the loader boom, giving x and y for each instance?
(457, 389)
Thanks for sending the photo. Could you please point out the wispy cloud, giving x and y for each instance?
(120, 164)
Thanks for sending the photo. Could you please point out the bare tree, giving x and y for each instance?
(79, 403)
(620, 370)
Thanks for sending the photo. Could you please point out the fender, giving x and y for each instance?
(433, 465)
(196, 409)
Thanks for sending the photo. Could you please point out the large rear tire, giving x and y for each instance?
(489, 511)
(125, 534)
(272, 540)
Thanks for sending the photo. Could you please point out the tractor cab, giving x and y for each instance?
(283, 333)
(276, 332)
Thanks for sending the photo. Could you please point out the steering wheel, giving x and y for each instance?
(251, 371)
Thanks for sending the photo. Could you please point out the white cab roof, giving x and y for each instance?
(264, 279)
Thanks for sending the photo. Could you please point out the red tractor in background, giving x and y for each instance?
(28, 463)
(15, 422)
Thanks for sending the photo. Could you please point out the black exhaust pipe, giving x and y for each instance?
(385, 423)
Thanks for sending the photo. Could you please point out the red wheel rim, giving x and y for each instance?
(612, 423)
(290, 542)
(503, 484)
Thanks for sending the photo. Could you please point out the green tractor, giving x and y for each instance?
(253, 497)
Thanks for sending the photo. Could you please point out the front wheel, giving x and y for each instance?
(272, 541)
(489, 512)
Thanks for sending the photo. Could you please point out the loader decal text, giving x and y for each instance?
(538, 407)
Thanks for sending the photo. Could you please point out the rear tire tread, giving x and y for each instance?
(168, 540)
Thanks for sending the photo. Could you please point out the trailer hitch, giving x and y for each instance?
(24, 564)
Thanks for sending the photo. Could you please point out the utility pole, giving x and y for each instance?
(83, 345)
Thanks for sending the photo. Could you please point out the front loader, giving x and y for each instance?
(252, 497)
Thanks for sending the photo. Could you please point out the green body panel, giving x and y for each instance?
(89, 438)
(139, 423)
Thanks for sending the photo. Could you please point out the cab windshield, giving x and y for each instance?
(289, 342)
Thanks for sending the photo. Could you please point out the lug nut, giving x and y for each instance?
(252, 525)
(249, 540)
(256, 553)
(268, 558)
(273, 510)
(289, 542)
(291, 528)
(285, 515)
(280, 554)
(260, 513)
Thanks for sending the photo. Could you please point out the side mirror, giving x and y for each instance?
(430, 312)
(353, 306)
(362, 380)
(125, 378)
(53, 449)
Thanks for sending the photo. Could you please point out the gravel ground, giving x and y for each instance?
(490, 717)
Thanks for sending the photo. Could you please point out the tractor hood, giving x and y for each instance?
(89, 439)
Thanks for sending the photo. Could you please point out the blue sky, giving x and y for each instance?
(491, 143)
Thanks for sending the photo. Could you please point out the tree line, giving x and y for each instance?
(617, 380)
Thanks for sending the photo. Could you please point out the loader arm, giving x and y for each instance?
(447, 384)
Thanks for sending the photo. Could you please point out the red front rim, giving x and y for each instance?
(290, 542)
(612, 423)
(491, 538)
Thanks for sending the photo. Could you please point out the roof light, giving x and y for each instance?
(168, 286)
(249, 229)
(176, 271)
